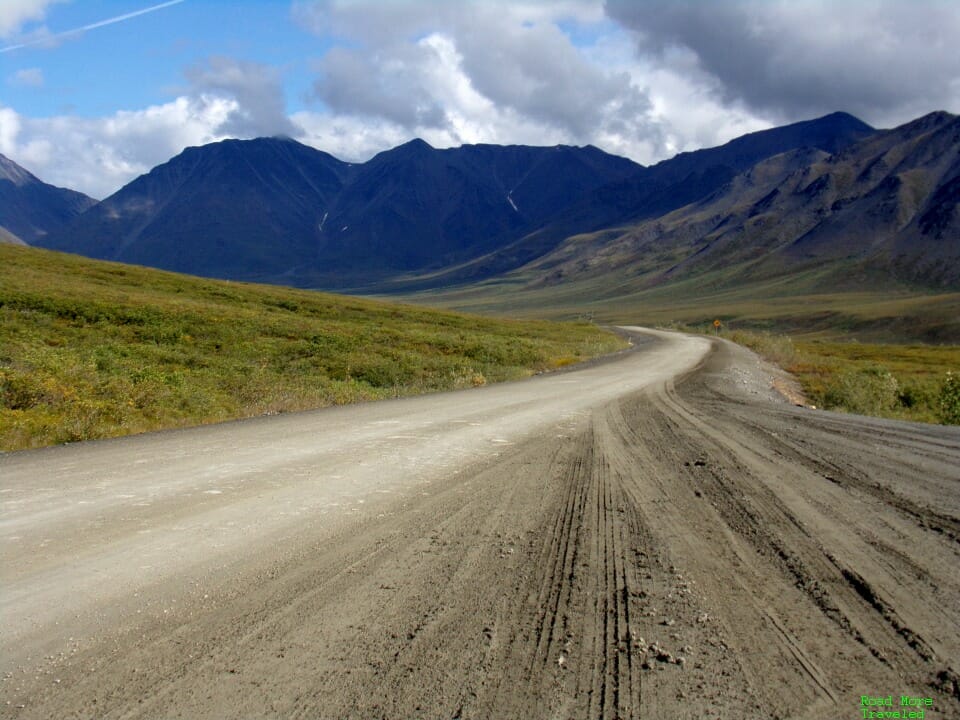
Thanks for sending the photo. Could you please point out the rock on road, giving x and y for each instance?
(654, 535)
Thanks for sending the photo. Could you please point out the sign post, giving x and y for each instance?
(716, 327)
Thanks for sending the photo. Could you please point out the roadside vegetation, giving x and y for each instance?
(906, 382)
(91, 349)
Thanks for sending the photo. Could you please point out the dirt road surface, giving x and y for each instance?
(656, 536)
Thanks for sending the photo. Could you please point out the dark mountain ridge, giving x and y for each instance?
(880, 211)
(230, 209)
(31, 209)
(418, 208)
(659, 189)
(275, 210)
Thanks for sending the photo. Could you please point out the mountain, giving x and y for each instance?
(275, 210)
(860, 243)
(689, 176)
(884, 209)
(659, 189)
(278, 211)
(415, 208)
(818, 225)
(233, 209)
(31, 209)
(9, 238)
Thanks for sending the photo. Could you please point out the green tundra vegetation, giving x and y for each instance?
(804, 321)
(907, 382)
(899, 369)
(92, 349)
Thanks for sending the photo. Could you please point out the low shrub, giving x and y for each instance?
(905, 382)
(776, 348)
(948, 402)
(869, 391)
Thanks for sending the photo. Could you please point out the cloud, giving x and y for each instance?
(28, 77)
(9, 130)
(14, 14)
(99, 155)
(350, 138)
(224, 98)
(389, 85)
(884, 60)
(256, 89)
(535, 70)
(644, 80)
(474, 72)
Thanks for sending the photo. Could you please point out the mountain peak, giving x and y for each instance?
(840, 115)
(9, 170)
(932, 120)
(277, 210)
(417, 144)
(286, 212)
(30, 209)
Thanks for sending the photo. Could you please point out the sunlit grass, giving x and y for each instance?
(91, 349)
(907, 382)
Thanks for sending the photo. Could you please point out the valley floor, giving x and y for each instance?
(656, 537)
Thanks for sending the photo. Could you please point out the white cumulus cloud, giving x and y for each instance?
(99, 155)
(256, 89)
(645, 80)
(224, 98)
(496, 72)
(15, 13)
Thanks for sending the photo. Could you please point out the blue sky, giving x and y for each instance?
(642, 78)
(139, 61)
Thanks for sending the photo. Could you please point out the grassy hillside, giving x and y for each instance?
(91, 349)
(839, 302)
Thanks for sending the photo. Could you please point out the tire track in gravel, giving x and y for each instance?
(684, 551)
(814, 532)
(610, 684)
(762, 521)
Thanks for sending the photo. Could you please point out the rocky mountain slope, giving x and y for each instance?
(863, 208)
(653, 191)
(234, 209)
(31, 209)
(881, 210)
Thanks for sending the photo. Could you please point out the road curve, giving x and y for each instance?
(652, 536)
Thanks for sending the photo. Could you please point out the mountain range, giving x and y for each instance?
(275, 210)
(862, 206)
(884, 208)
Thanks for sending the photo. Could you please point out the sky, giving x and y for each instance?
(94, 93)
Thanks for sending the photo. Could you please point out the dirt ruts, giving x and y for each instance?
(694, 549)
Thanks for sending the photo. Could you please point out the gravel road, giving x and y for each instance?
(659, 535)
